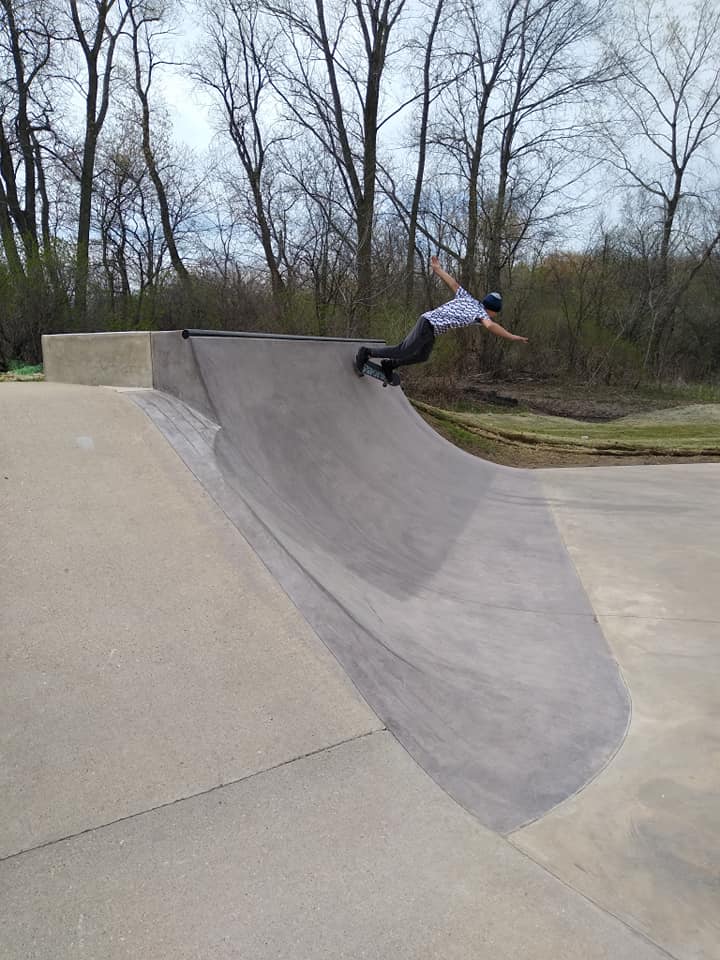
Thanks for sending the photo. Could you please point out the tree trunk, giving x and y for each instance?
(94, 120)
(142, 90)
(422, 155)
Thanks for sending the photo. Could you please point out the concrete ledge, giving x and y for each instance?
(99, 359)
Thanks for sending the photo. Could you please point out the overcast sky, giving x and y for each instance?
(189, 116)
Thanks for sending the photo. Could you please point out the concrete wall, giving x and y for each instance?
(105, 359)
(175, 371)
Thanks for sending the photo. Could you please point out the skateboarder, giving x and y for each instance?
(461, 311)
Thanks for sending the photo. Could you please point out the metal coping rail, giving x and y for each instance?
(272, 336)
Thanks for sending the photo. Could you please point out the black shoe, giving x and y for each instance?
(388, 368)
(361, 358)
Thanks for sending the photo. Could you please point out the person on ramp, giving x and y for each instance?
(461, 311)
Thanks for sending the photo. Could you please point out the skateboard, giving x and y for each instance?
(375, 370)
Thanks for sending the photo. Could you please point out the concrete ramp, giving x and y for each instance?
(438, 580)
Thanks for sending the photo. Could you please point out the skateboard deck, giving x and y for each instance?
(375, 370)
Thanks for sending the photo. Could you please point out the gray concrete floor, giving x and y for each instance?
(189, 774)
(643, 840)
(148, 655)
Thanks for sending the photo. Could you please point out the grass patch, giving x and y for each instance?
(532, 440)
(23, 371)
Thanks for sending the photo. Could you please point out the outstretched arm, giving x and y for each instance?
(445, 277)
(499, 330)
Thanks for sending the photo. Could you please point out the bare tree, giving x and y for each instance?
(236, 64)
(128, 222)
(118, 183)
(34, 293)
(524, 75)
(665, 122)
(430, 87)
(481, 47)
(147, 26)
(97, 26)
(322, 245)
(333, 92)
(26, 41)
(553, 70)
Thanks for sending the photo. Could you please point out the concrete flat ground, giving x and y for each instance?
(148, 655)
(189, 773)
(643, 839)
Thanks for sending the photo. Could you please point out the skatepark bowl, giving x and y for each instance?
(532, 640)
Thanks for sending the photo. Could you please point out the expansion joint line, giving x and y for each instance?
(194, 796)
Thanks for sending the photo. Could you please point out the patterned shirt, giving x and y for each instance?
(461, 311)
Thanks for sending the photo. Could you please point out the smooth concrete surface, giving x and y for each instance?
(175, 371)
(146, 652)
(438, 580)
(643, 840)
(113, 359)
(350, 853)
(147, 656)
(342, 845)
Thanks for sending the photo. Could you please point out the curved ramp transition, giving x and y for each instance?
(438, 580)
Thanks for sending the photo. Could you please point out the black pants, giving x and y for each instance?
(415, 348)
